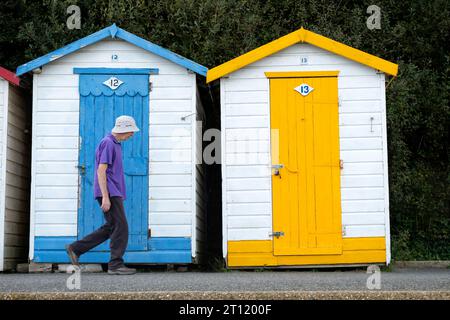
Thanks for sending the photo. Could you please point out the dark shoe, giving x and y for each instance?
(122, 271)
(72, 256)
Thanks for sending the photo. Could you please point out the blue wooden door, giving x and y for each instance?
(104, 97)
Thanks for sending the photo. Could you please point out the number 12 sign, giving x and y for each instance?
(113, 83)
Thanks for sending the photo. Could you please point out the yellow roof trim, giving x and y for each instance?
(302, 35)
(301, 74)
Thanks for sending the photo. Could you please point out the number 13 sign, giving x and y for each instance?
(304, 89)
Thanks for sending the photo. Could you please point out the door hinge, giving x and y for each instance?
(150, 86)
(79, 195)
(343, 231)
(149, 234)
(277, 234)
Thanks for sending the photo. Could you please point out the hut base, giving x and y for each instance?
(159, 251)
(259, 253)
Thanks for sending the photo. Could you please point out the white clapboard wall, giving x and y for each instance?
(17, 183)
(3, 97)
(171, 146)
(247, 195)
(14, 176)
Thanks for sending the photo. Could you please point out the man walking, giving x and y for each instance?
(109, 190)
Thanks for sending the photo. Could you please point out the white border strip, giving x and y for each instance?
(385, 168)
(3, 173)
(33, 167)
(269, 125)
(223, 130)
(193, 119)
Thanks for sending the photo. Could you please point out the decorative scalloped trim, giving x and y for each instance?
(98, 91)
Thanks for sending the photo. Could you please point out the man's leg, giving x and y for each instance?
(119, 234)
(95, 238)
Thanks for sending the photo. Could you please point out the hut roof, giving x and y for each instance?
(9, 76)
(112, 32)
(302, 36)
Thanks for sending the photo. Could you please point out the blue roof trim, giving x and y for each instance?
(114, 32)
(115, 71)
(169, 55)
(72, 47)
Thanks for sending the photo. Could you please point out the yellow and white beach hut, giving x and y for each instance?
(304, 154)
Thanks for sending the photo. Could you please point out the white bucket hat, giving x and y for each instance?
(125, 124)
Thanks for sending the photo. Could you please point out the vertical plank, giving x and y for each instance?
(99, 110)
(81, 161)
(309, 138)
(145, 179)
(284, 225)
(136, 185)
(89, 137)
(335, 168)
(322, 147)
(291, 172)
(275, 155)
(302, 172)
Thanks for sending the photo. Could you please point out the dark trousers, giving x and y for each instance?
(115, 228)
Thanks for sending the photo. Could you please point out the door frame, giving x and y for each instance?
(300, 74)
(103, 71)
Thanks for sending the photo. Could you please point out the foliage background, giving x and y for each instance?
(414, 34)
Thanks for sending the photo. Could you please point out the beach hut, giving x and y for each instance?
(304, 154)
(78, 91)
(15, 121)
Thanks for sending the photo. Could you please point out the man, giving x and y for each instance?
(109, 190)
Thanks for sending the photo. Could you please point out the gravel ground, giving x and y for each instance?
(397, 284)
(235, 295)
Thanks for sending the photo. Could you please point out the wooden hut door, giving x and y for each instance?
(104, 97)
(306, 166)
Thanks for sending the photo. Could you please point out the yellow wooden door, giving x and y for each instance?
(305, 143)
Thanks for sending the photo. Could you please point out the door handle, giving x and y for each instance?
(277, 234)
(82, 169)
(277, 168)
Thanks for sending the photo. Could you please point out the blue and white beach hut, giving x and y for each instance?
(78, 91)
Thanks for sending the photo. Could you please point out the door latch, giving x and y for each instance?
(82, 169)
(277, 234)
(277, 168)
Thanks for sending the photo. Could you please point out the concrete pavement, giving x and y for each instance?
(401, 283)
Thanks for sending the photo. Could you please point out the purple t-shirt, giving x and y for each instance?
(109, 151)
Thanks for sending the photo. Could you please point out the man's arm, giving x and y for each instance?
(101, 174)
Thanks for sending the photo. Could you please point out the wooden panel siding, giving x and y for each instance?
(17, 184)
(200, 194)
(3, 129)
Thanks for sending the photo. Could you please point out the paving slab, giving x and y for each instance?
(401, 279)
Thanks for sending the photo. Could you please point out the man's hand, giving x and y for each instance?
(106, 204)
(101, 174)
